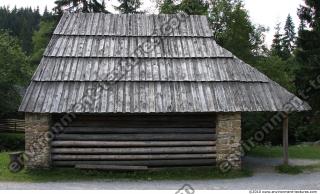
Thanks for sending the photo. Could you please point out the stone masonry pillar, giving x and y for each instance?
(228, 131)
(37, 144)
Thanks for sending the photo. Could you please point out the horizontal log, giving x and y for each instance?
(136, 137)
(141, 117)
(131, 157)
(136, 130)
(109, 167)
(150, 150)
(130, 143)
(146, 124)
(149, 163)
(146, 120)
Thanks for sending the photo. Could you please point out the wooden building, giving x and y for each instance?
(141, 91)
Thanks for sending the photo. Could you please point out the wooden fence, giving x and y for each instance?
(12, 125)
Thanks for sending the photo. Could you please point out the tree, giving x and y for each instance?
(40, 40)
(279, 70)
(128, 6)
(47, 16)
(14, 73)
(190, 7)
(168, 7)
(219, 16)
(194, 7)
(79, 5)
(233, 29)
(288, 37)
(308, 54)
(302, 26)
(20, 23)
(276, 47)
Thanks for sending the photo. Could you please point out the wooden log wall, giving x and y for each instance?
(151, 141)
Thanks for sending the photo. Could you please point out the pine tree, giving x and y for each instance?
(302, 26)
(276, 47)
(289, 37)
(47, 16)
(308, 54)
(79, 5)
(128, 6)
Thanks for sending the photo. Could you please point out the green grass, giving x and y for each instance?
(297, 151)
(70, 174)
(288, 169)
(312, 167)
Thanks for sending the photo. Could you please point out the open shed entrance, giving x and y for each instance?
(145, 140)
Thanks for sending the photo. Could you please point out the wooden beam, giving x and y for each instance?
(137, 137)
(112, 130)
(285, 139)
(130, 143)
(131, 157)
(110, 167)
(143, 150)
(149, 163)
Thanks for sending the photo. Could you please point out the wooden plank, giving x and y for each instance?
(136, 137)
(149, 163)
(109, 167)
(142, 150)
(130, 143)
(136, 130)
(131, 157)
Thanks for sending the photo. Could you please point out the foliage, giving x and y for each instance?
(14, 72)
(190, 7)
(194, 7)
(128, 6)
(279, 70)
(296, 151)
(168, 7)
(41, 38)
(234, 31)
(79, 5)
(309, 132)
(20, 23)
(11, 141)
(308, 54)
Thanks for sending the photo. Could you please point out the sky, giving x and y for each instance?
(264, 12)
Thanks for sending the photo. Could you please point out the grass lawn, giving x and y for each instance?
(61, 174)
(296, 151)
(294, 169)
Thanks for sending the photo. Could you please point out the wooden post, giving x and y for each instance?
(285, 139)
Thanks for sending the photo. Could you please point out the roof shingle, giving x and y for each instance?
(140, 64)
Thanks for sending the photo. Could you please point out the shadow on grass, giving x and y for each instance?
(71, 174)
(68, 174)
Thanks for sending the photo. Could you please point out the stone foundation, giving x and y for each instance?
(37, 145)
(228, 131)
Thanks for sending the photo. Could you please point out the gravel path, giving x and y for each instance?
(263, 178)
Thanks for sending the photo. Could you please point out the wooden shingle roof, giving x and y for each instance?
(136, 63)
